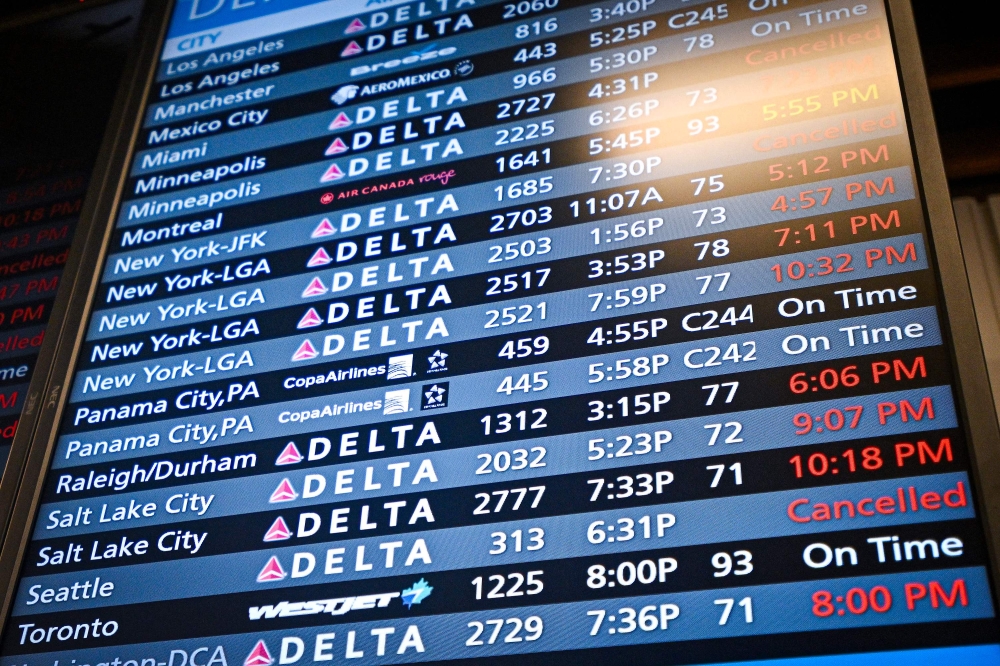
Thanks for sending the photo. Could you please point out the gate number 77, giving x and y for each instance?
(708, 280)
(714, 388)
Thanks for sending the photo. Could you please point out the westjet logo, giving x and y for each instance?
(341, 606)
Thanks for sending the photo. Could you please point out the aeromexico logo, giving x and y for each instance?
(415, 594)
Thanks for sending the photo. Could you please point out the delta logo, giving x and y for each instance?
(351, 49)
(277, 532)
(310, 319)
(340, 122)
(319, 258)
(332, 173)
(290, 455)
(306, 351)
(314, 288)
(357, 25)
(272, 571)
(285, 492)
(259, 656)
(338, 146)
(323, 229)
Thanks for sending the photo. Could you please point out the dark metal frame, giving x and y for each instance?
(34, 443)
(972, 384)
(32, 448)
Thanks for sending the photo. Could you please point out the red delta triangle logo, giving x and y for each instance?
(289, 456)
(279, 531)
(337, 147)
(309, 319)
(334, 172)
(340, 121)
(351, 49)
(259, 656)
(324, 228)
(357, 25)
(271, 572)
(315, 288)
(305, 352)
(320, 258)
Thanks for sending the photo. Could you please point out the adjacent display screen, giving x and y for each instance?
(47, 151)
(537, 332)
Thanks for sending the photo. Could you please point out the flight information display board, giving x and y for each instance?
(539, 331)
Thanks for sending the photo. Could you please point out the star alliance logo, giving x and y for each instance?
(435, 396)
(438, 361)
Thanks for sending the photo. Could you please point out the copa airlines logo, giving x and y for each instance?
(410, 597)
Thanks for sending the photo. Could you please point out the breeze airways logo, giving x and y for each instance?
(429, 52)
(414, 594)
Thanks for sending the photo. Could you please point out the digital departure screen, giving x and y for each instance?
(536, 331)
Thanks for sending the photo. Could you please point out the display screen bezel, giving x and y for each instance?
(34, 445)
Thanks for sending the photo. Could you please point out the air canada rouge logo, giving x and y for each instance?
(278, 531)
(310, 319)
(271, 572)
(259, 656)
(289, 455)
(283, 493)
